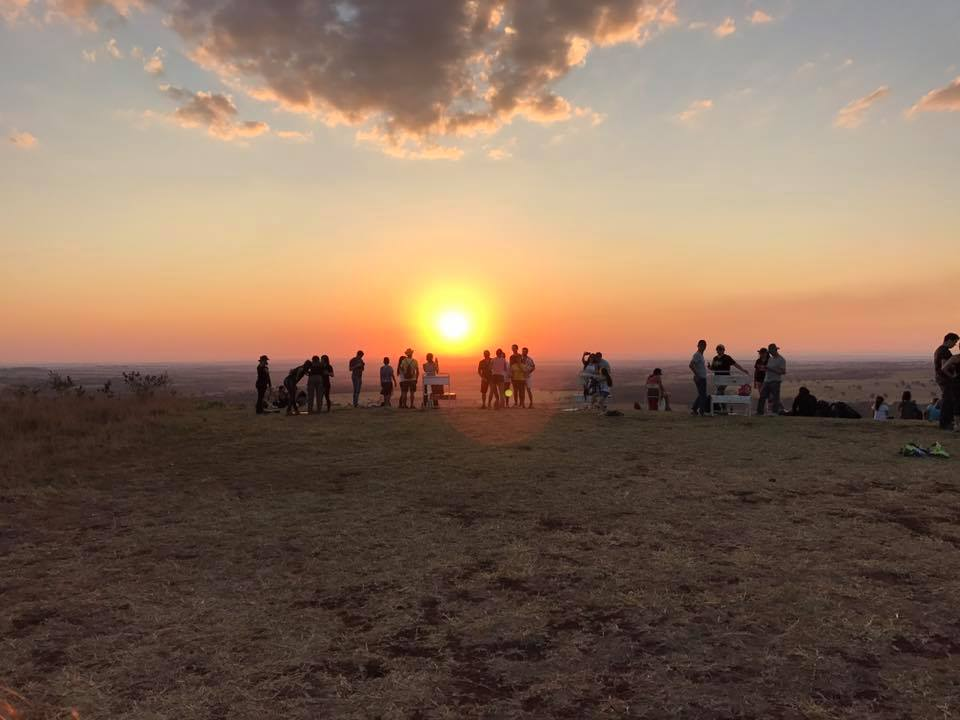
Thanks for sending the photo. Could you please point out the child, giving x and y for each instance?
(388, 381)
(881, 411)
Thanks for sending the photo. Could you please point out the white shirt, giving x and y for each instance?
(882, 413)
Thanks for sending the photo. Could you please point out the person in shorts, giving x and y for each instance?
(483, 370)
(528, 368)
(655, 389)
(409, 372)
(388, 381)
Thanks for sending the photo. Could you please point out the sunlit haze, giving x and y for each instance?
(298, 178)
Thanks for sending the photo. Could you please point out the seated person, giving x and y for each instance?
(933, 410)
(909, 410)
(281, 397)
(805, 404)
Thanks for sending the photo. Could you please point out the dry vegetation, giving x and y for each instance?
(167, 560)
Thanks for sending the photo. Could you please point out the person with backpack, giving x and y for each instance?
(356, 375)
(772, 381)
(263, 382)
(483, 370)
(290, 383)
(409, 371)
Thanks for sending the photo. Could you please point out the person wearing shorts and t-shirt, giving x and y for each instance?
(499, 371)
(409, 372)
(528, 367)
(655, 389)
(387, 382)
(483, 370)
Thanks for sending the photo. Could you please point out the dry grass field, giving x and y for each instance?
(170, 559)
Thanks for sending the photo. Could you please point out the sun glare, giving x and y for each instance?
(453, 325)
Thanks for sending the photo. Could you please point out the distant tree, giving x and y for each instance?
(145, 385)
(58, 383)
(107, 389)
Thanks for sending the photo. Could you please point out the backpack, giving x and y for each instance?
(845, 412)
(409, 373)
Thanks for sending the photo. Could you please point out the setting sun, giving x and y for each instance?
(453, 325)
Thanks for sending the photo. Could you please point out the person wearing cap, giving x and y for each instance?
(263, 382)
(772, 381)
(409, 371)
(760, 368)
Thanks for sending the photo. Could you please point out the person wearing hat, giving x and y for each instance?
(408, 370)
(760, 368)
(772, 381)
(263, 382)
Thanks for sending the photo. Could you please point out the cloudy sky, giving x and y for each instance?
(212, 179)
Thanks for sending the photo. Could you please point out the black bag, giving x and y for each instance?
(845, 412)
(823, 409)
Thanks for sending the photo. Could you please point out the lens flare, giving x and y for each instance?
(453, 325)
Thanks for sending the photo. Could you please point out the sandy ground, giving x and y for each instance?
(191, 560)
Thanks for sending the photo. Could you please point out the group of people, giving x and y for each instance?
(503, 379)
(768, 373)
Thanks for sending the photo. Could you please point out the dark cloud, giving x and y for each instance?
(412, 71)
(215, 112)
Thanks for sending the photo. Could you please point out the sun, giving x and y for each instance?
(453, 325)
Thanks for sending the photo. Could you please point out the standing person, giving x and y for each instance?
(589, 361)
(605, 382)
(388, 381)
(356, 375)
(431, 368)
(698, 366)
(721, 365)
(760, 368)
(772, 381)
(508, 384)
(529, 366)
(518, 376)
(315, 385)
(409, 372)
(881, 411)
(263, 382)
(499, 370)
(483, 370)
(941, 357)
(326, 372)
(290, 383)
(655, 389)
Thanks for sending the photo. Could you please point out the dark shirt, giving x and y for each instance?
(356, 368)
(263, 376)
(759, 370)
(909, 410)
(805, 405)
(940, 357)
(722, 363)
(483, 368)
(516, 358)
(294, 376)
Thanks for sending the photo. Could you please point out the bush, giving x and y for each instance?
(145, 385)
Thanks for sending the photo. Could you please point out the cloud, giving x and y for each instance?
(695, 110)
(759, 17)
(23, 140)
(89, 56)
(853, 115)
(697, 25)
(154, 64)
(87, 12)
(294, 136)
(417, 71)
(848, 63)
(215, 112)
(945, 99)
(12, 10)
(111, 48)
(726, 28)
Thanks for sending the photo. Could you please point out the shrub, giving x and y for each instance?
(143, 385)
